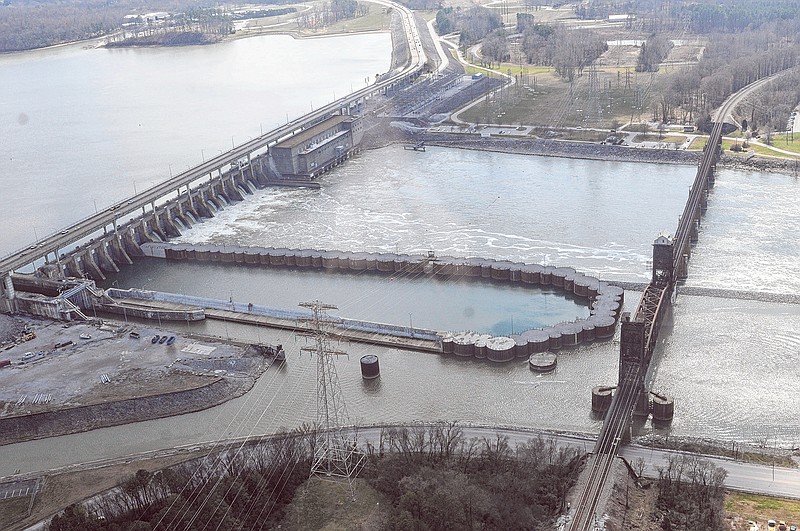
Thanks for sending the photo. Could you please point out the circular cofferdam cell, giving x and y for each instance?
(615, 293)
(663, 407)
(559, 276)
(604, 326)
(385, 263)
(588, 331)
(370, 368)
(569, 334)
(580, 286)
(601, 398)
(480, 346)
(538, 340)
(604, 306)
(447, 344)
(330, 261)
(520, 346)
(500, 349)
(555, 339)
(464, 344)
(543, 362)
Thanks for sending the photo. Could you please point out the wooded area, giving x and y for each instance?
(434, 477)
(26, 25)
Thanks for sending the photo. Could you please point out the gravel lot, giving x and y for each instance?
(75, 374)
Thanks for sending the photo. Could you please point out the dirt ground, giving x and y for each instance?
(65, 489)
(103, 363)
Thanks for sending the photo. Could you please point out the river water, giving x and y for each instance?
(84, 128)
(731, 364)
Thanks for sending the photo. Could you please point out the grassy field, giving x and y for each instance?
(604, 98)
(699, 143)
(742, 508)
(788, 142)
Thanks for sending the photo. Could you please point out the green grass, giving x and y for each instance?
(790, 144)
(761, 508)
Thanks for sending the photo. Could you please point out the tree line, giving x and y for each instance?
(691, 493)
(729, 63)
(434, 476)
(331, 12)
(30, 24)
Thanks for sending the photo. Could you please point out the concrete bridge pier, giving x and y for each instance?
(704, 201)
(7, 285)
(176, 213)
(260, 171)
(117, 250)
(152, 230)
(230, 189)
(188, 214)
(199, 205)
(642, 406)
(212, 199)
(694, 233)
(72, 268)
(90, 265)
(130, 244)
(165, 223)
(104, 259)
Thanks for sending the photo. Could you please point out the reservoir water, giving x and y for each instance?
(730, 363)
(84, 128)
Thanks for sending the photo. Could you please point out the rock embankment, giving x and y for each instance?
(563, 148)
(84, 418)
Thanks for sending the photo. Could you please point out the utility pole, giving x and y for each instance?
(337, 456)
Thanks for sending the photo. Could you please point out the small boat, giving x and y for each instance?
(155, 339)
(163, 338)
(171, 340)
(85, 336)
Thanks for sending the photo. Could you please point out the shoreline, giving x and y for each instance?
(67, 421)
(596, 151)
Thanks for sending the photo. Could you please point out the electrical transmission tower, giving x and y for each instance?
(336, 456)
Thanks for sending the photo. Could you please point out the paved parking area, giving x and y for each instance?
(17, 489)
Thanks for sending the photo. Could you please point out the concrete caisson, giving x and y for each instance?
(370, 368)
(542, 362)
(601, 398)
(500, 349)
(520, 346)
(464, 344)
(663, 407)
(604, 326)
(538, 340)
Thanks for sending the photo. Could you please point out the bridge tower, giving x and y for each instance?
(633, 365)
(663, 262)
